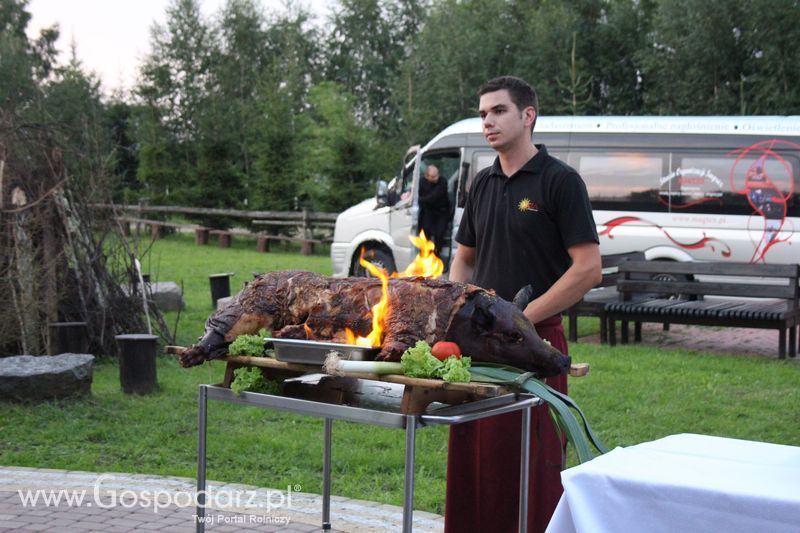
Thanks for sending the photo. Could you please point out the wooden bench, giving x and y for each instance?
(306, 245)
(740, 295)
(224, 236)
(595, 301)
(263, 240)
(157, 227)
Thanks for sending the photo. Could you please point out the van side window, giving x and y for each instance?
(622, 180)
(727, 183)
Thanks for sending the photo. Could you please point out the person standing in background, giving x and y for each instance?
(434, 207)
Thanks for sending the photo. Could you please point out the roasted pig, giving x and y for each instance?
(305, 305)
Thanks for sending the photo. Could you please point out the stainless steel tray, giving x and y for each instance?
(315, 352)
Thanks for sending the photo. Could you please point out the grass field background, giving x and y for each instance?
(632, 394)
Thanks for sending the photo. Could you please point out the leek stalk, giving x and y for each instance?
(337, 366)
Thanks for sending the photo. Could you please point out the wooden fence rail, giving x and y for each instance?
(304, 221)
(299, 216)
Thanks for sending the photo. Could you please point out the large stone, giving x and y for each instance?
(45, 377)
(167, 295)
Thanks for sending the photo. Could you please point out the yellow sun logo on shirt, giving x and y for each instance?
(526, 205)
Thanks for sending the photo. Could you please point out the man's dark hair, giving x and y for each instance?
(521, 93)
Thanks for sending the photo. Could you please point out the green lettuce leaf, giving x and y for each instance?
(418, 362)
(456, 370)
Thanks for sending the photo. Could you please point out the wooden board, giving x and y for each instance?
(575, 370)
(482, 389)
(418, 393)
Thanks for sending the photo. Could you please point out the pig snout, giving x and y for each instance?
(493, 330)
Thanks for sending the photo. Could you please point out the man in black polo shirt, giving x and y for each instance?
(527, 220)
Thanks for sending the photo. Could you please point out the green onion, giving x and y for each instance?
(337, 366)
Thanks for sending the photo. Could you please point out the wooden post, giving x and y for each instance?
(262, 246)
(137, 363)
(201, 235)
(220, 286)
(306, 229)
(67, 337)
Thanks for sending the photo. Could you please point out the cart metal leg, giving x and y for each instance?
(524, 466)
(201, 460)
(408, 496)
(326, 476)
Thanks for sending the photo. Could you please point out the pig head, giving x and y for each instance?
(494, 330)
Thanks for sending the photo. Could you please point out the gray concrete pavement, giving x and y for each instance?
(37, 499)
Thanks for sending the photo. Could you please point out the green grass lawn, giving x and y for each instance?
(632, 394)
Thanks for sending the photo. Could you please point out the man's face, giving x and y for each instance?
(432, 174)
(504, 125)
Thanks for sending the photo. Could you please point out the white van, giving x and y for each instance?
(676, 188)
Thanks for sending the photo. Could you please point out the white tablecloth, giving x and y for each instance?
(684, 483)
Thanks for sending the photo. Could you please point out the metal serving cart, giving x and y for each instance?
(397, 416)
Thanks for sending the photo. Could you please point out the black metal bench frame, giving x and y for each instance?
(748, 301)
(594, 302)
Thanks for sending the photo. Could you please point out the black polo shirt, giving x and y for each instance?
(522, 225)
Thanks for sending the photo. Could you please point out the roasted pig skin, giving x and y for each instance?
(306, 305)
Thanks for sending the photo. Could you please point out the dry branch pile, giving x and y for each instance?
(60, 260)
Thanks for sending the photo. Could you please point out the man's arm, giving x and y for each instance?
(463, 264)
(584, 274)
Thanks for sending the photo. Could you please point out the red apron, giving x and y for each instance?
(483, 464)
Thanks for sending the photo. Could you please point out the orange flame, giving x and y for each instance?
(379, 311)
(426, 264)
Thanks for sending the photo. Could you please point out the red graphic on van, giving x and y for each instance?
(763, 190)
(705, 241)
(688, 187)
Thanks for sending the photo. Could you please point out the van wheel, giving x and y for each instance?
(377, 257)
(674, 277)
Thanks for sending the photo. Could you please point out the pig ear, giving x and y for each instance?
(523, 297)
(482, 318)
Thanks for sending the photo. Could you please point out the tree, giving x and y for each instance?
(173, 86)
(340, 156)
(772, 63)
(369, 39)
(71, 103)
(23, 63)
(694, 61)
(281, 101)
(454, 53)
(125, 153)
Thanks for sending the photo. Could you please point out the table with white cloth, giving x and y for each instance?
(684, 483)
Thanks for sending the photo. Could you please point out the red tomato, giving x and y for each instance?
(444, 349)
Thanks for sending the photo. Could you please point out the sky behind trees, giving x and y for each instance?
(112, 37)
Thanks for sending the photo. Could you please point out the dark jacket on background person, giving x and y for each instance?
(434, 210)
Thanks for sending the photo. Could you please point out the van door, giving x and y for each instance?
(449, 163)
(403, 214)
